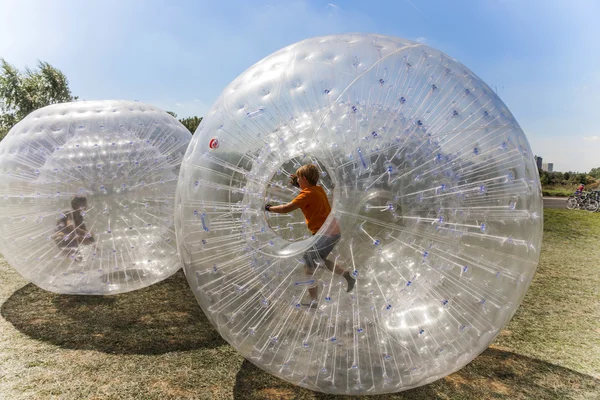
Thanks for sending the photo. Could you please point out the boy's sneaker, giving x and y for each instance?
(351, 283)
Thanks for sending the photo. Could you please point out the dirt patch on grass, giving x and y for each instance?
(276, 394)
(171, 389)
(456, 380)
(499, 387)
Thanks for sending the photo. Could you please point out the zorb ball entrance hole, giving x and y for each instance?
(431, 181)
(292, 226)
(87, 196)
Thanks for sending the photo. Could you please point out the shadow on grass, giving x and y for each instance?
(495, 374)
(158, 319)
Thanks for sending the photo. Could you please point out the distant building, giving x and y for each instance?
(538, 162)
(548, 167)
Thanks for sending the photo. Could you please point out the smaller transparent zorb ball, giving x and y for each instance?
(430, 179)
(87, 196)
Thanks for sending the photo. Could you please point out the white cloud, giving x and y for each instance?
(420, 39)
(333, 9)
(591, 138)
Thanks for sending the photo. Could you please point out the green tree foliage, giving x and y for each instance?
(191, 123)
(559, 176)
(589, 179)
(566, 179)
(595, 172)
(24, 92)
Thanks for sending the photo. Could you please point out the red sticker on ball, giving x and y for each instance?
(214, 143)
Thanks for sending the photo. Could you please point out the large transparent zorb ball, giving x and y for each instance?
(430, 178)
(87, 196)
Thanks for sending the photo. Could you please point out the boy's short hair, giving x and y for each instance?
(78, 201)
(310, 172)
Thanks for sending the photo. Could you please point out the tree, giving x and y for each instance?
(24, 92)
(589, 180)
(191, 123)
(558, 177)
(595, 172)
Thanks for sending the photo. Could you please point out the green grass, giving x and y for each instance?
(155, 343)
(557, 192)
(561, 311)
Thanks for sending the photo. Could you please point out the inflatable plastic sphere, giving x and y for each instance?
(87, 196)
(430, 179)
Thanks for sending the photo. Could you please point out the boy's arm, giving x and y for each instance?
(295, 204)
(284, 208)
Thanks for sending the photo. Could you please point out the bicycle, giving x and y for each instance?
(585, 201)
(595, 195)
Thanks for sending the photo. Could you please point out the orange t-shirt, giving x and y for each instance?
(315, 206)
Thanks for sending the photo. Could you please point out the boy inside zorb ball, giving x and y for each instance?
(312, 201)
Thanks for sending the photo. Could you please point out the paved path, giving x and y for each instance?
(555, 202)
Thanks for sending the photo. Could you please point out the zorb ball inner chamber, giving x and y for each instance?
(430, 179)
(87, 196)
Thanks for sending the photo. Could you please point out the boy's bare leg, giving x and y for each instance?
(313, 291)
(334, 265)
(336, 268)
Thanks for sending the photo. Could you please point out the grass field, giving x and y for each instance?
(557, 192)
(564, 190)
(155, 343)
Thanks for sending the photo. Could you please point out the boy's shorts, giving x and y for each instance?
(320, 250)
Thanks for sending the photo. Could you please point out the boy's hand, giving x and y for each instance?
(268, 207)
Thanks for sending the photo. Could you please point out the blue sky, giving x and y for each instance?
(542, 56)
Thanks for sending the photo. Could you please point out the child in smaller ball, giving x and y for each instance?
(71, 231)
(313, 202)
